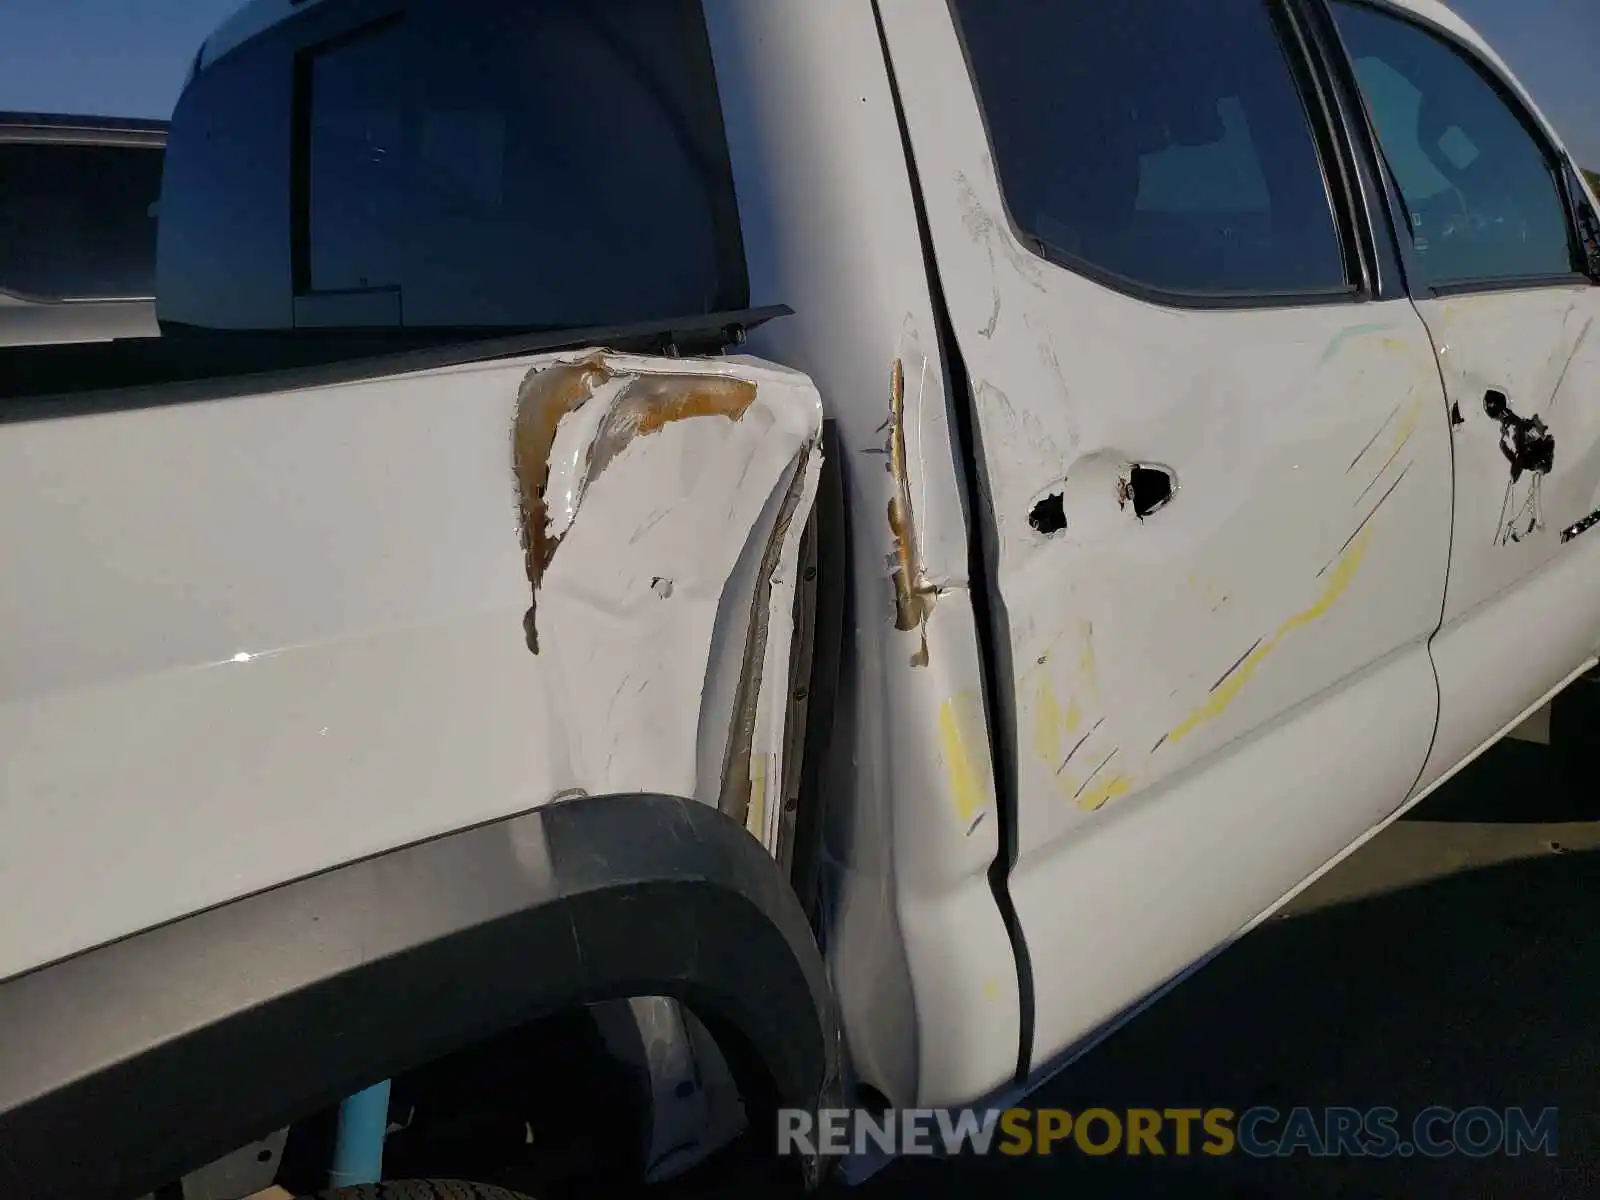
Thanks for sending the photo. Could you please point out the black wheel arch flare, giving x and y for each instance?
(125, 1066)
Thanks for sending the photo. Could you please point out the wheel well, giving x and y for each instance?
(294, 998)
(539, 1108)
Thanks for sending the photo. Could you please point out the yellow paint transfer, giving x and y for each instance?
(1228, 690)
(1086, 664)
(1048, 722)
(757, 821)
(1107, 790)
(962, 743)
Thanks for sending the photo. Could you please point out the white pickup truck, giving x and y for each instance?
(900, 527)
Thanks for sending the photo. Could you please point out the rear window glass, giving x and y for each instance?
(76, 221)
(483, 163)
(1156, 143)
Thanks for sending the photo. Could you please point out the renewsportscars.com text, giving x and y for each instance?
(1259, 1132)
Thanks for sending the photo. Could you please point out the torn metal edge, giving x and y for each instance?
(797, 710)
(547, 394)
(913, 599)
(734, 795)
(647, 403)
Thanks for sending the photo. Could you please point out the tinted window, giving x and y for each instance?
(357, 195)
(75, 220)
(1483, 202)
(222, 257)
(1160, 141)
(541, 165)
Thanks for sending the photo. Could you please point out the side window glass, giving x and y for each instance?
(1483, 203)
(542, 165)
(354, 159)
(1159, 143)
(76, 221)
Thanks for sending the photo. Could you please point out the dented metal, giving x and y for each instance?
(676, 492)
(600, 414)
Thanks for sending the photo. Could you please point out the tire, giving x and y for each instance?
(420, 1189)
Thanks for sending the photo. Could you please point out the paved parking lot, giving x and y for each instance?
(1453, 961)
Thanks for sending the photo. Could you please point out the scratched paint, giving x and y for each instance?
(963, 746)
(573, 420)
(1048, 723)
(681, 690)
(1088, 669)
(1104, 791)
(1073, 717)
(1228, 690)
(546, 396)
(649, 403)
(1345, 335)
(756, 823)
(1402, 436)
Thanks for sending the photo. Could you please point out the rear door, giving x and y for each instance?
(1217, 465)
(1487, 200)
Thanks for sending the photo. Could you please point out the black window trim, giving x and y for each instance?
(1389, 263)
(1556, 162)
(1356, 234)
(1347, 221)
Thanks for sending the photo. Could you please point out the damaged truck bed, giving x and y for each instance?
(662, 505)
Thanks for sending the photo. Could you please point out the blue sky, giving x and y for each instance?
(129, 57)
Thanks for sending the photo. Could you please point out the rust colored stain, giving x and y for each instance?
(652, 402)
(646, 405)
(912, 602)
(545, 397)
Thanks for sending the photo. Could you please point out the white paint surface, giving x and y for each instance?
(1188, 691)
(330, 640)
(258, 637)
(628, 609)
(915, 943)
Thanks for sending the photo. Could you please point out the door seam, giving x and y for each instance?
(988, 613)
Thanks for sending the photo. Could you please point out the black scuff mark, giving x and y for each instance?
(1530, 448)
(1374, 439)
(1078, 745)
(976, 821)
(1566, 367)
(1363, 524)
(1237, 664)
(1583, 526)
(1049, 516)
(655, 519)
(1095, 772)
(1160, 742)
(994, 319)
(1382, 470)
